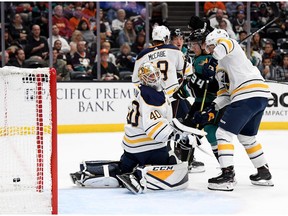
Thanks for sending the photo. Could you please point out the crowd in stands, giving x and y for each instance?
(122, 35)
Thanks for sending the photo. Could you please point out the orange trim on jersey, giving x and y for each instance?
(222, 91)
(257, 85)
(135, 141)
(155, 128)
(163, 174)
(254, 149)
(228, 42)
(222, 147)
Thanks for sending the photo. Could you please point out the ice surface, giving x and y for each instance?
(246, 199)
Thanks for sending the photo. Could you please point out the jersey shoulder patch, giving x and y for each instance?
(151, 96)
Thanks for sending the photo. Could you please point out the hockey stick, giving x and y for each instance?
(175, 111)
(277, 16)
(191, 151)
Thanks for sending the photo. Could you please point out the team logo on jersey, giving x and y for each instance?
(224, 78)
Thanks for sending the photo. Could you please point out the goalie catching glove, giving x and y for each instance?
(204, 117)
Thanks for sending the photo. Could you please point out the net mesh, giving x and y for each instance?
(25, 140)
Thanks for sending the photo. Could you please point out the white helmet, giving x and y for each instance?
(161, 33)
(213, 37)
(150, 75)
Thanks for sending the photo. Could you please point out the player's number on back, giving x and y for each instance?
(163, 66)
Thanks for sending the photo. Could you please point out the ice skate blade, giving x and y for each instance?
(127, 184)
(263, 183)
(222, 187)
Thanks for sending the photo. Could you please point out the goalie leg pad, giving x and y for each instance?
(164, 177)
(97, 174)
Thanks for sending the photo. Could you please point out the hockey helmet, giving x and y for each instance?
(150, 75)
(161, 33)
(176, 33)
(215, 35)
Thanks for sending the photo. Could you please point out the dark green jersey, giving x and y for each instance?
(197, 83)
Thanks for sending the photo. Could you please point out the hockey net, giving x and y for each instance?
(28, 136)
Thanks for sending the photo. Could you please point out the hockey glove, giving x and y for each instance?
(209, 69)
(204, 117)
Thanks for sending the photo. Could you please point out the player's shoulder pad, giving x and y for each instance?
(152, 48)
(151, 96)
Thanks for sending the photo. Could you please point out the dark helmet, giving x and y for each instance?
(198, 35)
(176, 33)
(196, 23)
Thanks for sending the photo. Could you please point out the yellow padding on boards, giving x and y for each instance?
(92, 128)
(162, 174)
(254, 149)
(225, 147)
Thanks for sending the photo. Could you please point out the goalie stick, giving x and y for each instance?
(277, 15)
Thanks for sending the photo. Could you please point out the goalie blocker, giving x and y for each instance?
(100, 174)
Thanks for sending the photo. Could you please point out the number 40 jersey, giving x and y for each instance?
(148, 121)
(169, 59)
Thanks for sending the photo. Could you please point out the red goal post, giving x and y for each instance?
(28, 141)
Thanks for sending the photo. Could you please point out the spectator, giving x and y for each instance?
(104, 25)
(158, 8)
(261, 17)
(76, 37)
(40, 17)
(214, 21)
(118, 23)
(231, 8)
(81, 60)
(256, 43)
(111, 57)
(108, 70)
(113, 7)
(239, 23)
(211, 8)
(19, 59)
(139, 43)
(133, 9)
(139, 21)
(6, 58)
(60, 66)
(267, 69)
(128, 34)
(18, 31)
(242, 36)
(65, 47)
(58, 46)
(125, 60)
(89, 11)
(75, 19)
(87, 33)
(223, 25)
(281, 71)
(269, 52)
(61, 22)
(37, 45)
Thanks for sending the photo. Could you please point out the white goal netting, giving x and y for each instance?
(25, 141)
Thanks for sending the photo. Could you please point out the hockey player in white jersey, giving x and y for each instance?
(147, 162)
(145, 141)
(243, 90)
(168, 58)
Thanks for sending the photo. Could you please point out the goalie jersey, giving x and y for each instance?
(169, 59)
(238, 79)
(148, 121)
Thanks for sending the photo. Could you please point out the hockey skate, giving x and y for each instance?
(131, 183)
(223, 182)
(262, 177)
(196, 167)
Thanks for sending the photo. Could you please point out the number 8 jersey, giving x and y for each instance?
(148, 121)
(169, 59)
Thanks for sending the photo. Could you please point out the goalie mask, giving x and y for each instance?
(161, 33)
(150, 75)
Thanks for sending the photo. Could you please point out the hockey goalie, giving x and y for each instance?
(147, 162)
